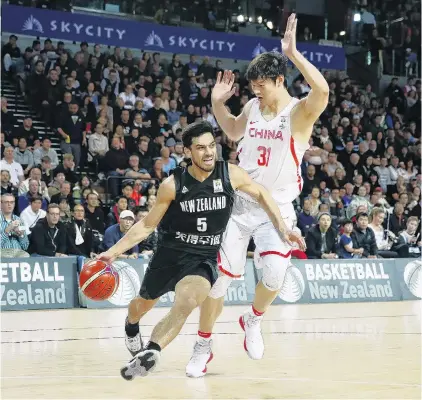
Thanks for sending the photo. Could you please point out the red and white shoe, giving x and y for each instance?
(253, 343)
(202, 355)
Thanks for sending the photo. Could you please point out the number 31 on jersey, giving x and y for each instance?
(264, 156)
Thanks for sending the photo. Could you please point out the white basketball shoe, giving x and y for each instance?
(202, 355)
(134, 344)
(141, 365)
(253, 343)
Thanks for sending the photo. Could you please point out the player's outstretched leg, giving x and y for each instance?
(190, 292)
(138, 307)
(274, 271)
(210, 310)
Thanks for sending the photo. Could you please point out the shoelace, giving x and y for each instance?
(199, 349)
(253, 321)
(133, 341)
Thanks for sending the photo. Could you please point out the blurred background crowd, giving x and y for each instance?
(119, 119)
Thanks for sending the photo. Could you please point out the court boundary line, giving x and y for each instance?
(225, 377)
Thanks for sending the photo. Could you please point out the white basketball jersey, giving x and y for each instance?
(269, 154)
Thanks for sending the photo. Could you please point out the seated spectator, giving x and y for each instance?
(132, 141)
(97, 144)
(54, 187)
(67, 168)
(65, 210)
(46, 151)
(321, 239)
(169, 163)
(65, 192)
(34, 191)
(94, 213)
(24, 156)
(113, 216)
(136, 171)
(6, 185)
(8, 120)
(127, 191)
(358, 200)
(48, 237)
(383, 237)
(346, 249)
(157, 171)
(115, 232)
(182, 124)
(363, 237)
(397, 220)
(15, 169)
(305, 220)
(84, 185)
(116, 161)
(408, 241)
(34, 174)
(315, 201)
(79, 234)
(173, 115)
(178, 153)
(145, 158)
(33, 213)
(14, 240)
(27, 132)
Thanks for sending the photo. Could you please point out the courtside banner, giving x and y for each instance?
(360, 280)
(38, 283)
(131, 273)
(154, 37)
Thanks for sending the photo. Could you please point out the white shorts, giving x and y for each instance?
(248, 220)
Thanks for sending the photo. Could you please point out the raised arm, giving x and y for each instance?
(240, 180)
(233, 127)
(316, 102)
(142, 229)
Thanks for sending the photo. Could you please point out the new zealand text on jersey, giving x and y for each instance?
(265, 133)
(204, 204)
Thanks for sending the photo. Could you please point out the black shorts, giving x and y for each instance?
(169, 266)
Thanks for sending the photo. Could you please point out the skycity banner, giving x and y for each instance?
(131, 273)
(38, 283)
(154, 37)
(357, 280)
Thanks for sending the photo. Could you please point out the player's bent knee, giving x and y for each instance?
(220, 287)
(185, 305)
(274, 271)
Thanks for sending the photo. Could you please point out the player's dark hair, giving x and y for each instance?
(195, 130)
(268, 65)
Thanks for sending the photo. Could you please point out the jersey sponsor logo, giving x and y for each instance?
(218, 186)
(210, 240)
(204, 204)
(265, 133)
(185, 190)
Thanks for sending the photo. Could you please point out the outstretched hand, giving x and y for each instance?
(292, 237)
(223, 88)
(288, 43)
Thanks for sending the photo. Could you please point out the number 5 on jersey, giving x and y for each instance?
(201, 225)
(264, 156)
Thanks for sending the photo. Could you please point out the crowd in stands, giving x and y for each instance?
(124, 117)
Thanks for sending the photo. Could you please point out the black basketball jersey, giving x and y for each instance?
(197, 218)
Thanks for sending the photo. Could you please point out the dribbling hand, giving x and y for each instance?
(106, 257)
(223, 88)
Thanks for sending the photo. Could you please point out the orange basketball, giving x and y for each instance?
(98, 280)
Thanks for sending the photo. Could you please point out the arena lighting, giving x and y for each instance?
(342, 33)
(259, 20)
(240, 18)
(250, 19)
(357, 17)
(270, 25)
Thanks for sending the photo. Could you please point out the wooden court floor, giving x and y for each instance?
(332, 351)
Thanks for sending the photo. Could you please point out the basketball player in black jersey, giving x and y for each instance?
(192, 210)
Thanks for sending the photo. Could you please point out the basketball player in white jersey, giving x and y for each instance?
(275, 129)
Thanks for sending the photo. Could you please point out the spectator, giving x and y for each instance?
(363, 237)
(27, 132)
(169, 163)
(157, 171)
(346, 249)
(34, 191)
(48, 237)
(408, 241)
(8, 120)
(79, 234)
(305, 220)
(67, 168)
(145, 159)
(358, 200)
(46, 151)
(182, 124)
(397, 221)
(132, 141)
(51, 97)
(127, 191)
(173, 115)
(321, 239)
(15, 169)
(315, 201)
(6, 186)
(83, 186)
(72, 130)
(23, 156)
(115, 232)
(33, 213)
(11, 53)
(94, 213)
(113, 216)
(35, 174)
(65, 192)
(309, 180)
(14, 240)
(178, 153)
(116, 160)
(98, 145)
(136, 171)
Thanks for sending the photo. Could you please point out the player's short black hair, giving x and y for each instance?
(269, 65)
(195, 130)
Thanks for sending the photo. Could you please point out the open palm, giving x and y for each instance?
(223, 88)
(288, 43)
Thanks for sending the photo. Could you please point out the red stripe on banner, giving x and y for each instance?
(275, 253)
(295, 159)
